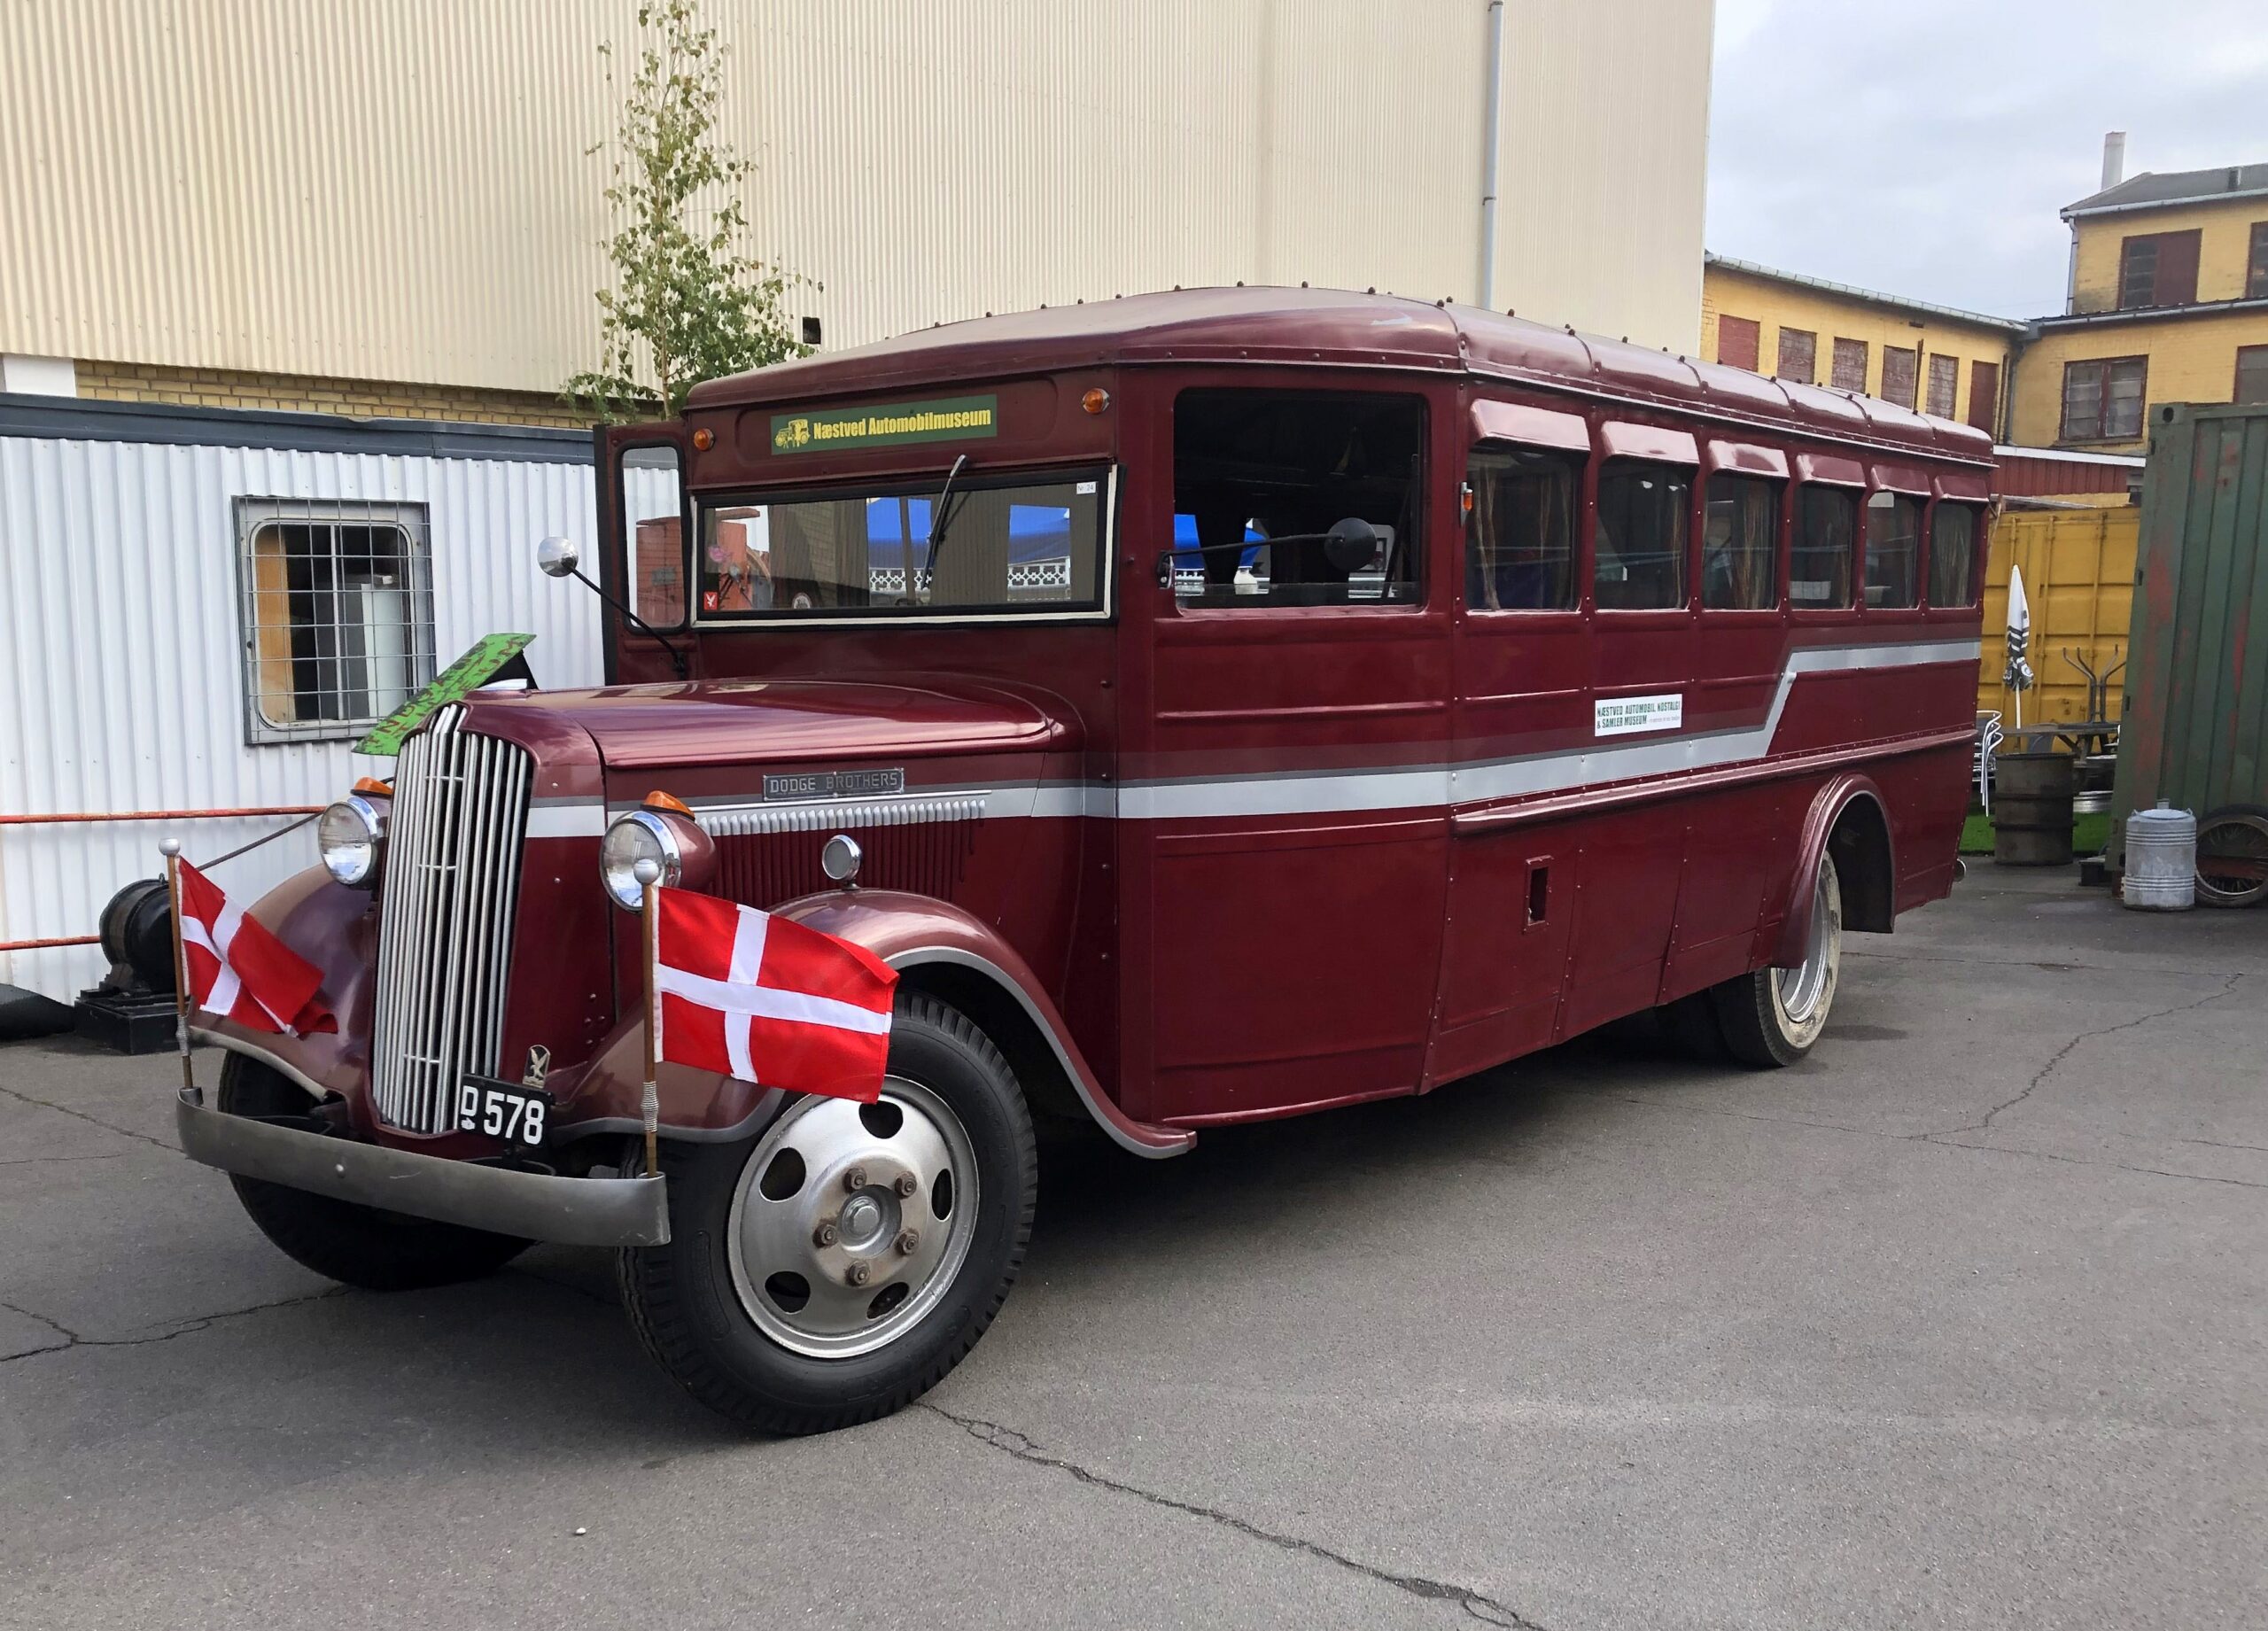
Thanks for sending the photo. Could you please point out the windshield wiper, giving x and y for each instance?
(939, 520)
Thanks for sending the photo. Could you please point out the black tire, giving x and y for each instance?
(355, 1244)
(1753, 1009)
(691, 1299)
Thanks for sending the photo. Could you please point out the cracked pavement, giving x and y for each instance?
(1963, 1322)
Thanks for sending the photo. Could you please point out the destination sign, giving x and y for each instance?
(946, 419)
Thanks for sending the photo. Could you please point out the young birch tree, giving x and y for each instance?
(688, 302)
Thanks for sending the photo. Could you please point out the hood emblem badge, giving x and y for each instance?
(836, 784)
(539, 1066)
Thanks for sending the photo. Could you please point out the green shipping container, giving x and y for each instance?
(2194, 729)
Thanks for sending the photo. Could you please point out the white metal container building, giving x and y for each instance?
(203, 611)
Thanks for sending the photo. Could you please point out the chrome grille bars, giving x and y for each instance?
(444, 933)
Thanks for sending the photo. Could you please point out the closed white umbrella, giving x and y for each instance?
(2018, 675)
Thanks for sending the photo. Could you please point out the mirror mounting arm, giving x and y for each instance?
(676, 651)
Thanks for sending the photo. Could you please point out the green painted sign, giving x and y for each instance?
(473, 670)
(947, 419)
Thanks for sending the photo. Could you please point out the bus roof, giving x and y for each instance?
(1334, 328)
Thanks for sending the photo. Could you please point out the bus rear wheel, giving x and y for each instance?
(1771, 1016)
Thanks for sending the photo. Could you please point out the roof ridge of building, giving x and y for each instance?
(1854, 292)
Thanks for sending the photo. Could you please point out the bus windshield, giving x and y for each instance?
(1012, 544)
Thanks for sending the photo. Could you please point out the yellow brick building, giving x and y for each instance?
(2168, 302)
(1939, 359)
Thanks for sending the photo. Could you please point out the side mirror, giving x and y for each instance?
(1351, 545)
(558, 557)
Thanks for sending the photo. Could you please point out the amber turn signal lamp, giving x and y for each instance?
(1096, 399)
(670, 802)
(703, 440)
(371, 784)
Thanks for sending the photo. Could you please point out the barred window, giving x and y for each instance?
(337, 602)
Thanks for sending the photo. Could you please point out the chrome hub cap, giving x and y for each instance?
(851, 1221)
(1801, 987)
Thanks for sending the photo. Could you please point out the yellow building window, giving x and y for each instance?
(2256, 271)
(1899, 365)
(1850, 366)
(1944, 383)
(2102, 400)
(1799, 356)
(2158, 269)
(1736, 341)
(2252, 374)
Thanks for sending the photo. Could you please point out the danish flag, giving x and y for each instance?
(238, 969)
(767, 999)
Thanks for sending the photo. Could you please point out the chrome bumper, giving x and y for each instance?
(530, 1205)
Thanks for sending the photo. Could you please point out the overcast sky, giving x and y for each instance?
(1924, 146)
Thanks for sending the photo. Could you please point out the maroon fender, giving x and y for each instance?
(906, 931)
(1827, 808)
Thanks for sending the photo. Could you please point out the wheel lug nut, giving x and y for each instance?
(907, 1241)
(855, 1179)
(857, 1274)
(907, 1183)
(824, 1235)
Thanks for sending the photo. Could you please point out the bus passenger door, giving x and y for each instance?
(1522, 713)
(1288, 797)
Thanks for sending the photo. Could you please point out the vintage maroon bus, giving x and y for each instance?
(1216, 706)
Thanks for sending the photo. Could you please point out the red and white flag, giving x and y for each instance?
(769, 1000)
(238, 969)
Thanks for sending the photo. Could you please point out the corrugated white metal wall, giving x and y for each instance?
(402, 189)
(121, 661)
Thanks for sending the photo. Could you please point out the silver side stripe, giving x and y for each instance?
(1416, 786)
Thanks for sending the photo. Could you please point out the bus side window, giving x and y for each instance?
(1639, 536)
(1820, 558)
(1740, 544)
(1953, 554)
(1519, 545)
(1894, 550)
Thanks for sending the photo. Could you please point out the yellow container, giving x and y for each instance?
(2078, 575)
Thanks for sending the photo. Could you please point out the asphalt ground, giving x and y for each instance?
(1963, 1322)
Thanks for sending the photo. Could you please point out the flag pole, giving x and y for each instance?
(170, 848)
(649, 1101)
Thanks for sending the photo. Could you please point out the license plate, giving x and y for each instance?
(511, 1111)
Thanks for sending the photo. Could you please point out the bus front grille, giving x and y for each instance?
(444, 935)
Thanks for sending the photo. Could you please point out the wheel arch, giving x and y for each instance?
(1849, 820)
(939, 949)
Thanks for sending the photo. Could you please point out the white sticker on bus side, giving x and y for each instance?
(1622, 715)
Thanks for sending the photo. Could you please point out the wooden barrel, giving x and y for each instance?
(2032, 809)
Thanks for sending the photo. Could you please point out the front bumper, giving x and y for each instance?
(533, 1206)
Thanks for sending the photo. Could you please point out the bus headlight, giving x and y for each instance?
(352, 838)
(639, 836)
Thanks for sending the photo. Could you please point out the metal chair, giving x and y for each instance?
(1989, 736)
